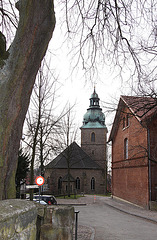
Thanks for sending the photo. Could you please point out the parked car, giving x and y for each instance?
(50, 200)
(41, 201)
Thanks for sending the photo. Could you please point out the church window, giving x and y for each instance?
(125, 148)
(59, 182)
(93, 183)
(77, 183)
(93, 137)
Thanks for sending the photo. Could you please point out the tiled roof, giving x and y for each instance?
(141, 107)
(77, 157)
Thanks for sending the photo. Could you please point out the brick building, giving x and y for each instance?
(134, 150)
(87, 164)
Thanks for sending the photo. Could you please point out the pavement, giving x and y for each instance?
(87, 233)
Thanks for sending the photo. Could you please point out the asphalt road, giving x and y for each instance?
(111, 224)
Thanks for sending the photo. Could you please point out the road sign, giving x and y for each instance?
(39, 181)
(32, 186)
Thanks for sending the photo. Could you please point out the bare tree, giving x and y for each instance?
(68, 134)
(119, 33)
(17, 76)
(41, 124)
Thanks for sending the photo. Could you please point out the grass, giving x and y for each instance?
(72, 196)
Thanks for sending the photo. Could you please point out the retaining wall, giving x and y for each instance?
(26, 220)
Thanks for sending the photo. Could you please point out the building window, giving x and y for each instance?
(93, 137)
(123, 122)
(127, 120)
(93, 152)
(93, 183)
(60, 183)
(77, 183)
(125, 148)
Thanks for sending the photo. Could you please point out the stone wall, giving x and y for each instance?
(17, 220)
(96, 150)
(58, 223)
(85, 176)
(26, 220)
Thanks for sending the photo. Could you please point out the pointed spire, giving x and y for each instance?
(94, 89)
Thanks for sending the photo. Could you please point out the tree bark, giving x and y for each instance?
(36, 25)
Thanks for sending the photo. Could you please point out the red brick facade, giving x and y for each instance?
(130, 171)
(153, 157)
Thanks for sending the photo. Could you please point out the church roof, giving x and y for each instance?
(95, 124)
(78, 159)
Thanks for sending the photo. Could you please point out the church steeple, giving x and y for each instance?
(94, 117)
(94, 131)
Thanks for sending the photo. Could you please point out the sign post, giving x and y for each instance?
(39, 181)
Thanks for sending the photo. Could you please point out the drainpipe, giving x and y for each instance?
(149, 170)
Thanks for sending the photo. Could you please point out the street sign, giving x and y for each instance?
(32, 186)
(39, 181)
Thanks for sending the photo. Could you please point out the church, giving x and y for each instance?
(85, 167)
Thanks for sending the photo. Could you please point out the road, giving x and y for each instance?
(111, 224)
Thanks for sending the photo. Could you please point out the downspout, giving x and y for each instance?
(149, 169)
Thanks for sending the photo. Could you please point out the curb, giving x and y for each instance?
(133, 214)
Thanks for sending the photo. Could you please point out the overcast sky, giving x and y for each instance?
(75, 86)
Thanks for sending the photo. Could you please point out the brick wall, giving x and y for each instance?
(130, 176)
(153, 157)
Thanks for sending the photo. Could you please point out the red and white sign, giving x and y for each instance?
(39, 181)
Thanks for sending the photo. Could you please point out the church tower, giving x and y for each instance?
(94, 132)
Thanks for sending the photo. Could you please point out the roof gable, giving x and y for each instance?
(141, 107)
(78, 159)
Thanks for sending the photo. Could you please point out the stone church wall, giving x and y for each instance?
(96, 150)
(85, 176)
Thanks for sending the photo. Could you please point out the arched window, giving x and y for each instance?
(60, 183)
(93, 183)
(125, 148)
(93, 137)
(77, 183)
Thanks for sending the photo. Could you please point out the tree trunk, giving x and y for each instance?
(36, 25)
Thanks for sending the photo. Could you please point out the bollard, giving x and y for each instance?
(76, 223)
(94, 198)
